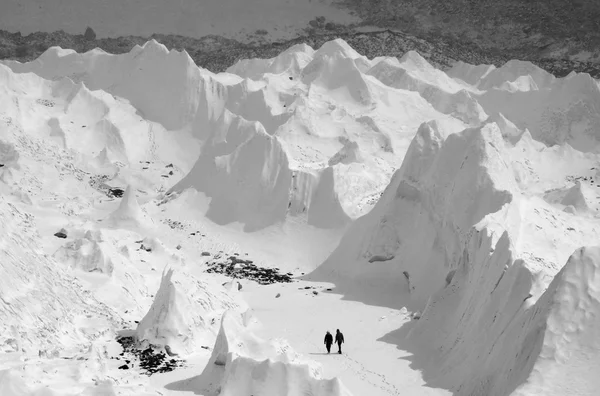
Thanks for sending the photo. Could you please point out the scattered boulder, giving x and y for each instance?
(178, 247)
(169, 351)
(116, 192)
(89, 34)
(205, 254)
(151, 361)
(315, 292)
(278, 295)
(61, 234)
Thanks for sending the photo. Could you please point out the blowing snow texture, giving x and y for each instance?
(450, 223)
(242, 363)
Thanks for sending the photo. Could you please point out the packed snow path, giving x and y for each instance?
(370, 364)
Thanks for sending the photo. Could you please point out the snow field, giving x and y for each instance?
(456, 199)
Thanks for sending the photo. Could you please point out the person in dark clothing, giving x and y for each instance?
(339, 339)
(328, 341)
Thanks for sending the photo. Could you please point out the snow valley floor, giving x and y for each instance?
(170, 231)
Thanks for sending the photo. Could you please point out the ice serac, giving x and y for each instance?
(568, 324)
(242, 363)
(246, 172)
(291, 61)
(414, 73)
(129, 212)
(420, 224)
(561, 111)
(447, 237)
(181, 314)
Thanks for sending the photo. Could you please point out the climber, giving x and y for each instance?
(339, 339)
(328, 341)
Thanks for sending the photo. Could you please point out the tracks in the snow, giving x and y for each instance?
(374, 379)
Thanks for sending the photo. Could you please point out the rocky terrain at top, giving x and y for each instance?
(559, 36)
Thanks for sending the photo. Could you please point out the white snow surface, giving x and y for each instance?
(442, 220)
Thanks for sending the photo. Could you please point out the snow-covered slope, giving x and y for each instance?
(43, 309)
(459, 196)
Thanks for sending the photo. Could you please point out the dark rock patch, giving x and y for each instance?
(115, 192)
(151, 359)
(61, 234)
(245, 269)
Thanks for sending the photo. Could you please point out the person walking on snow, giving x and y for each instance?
(339, 339)
(328, 341)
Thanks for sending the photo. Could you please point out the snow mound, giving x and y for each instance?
(255, 366)
(129, 213)
(9, 156)
(182, 314)
(13, 385)
(85, 254)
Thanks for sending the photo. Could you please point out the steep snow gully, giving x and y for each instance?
(466, 202)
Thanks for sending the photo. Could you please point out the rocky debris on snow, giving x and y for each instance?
(245, 269)
(175, 225)
(178, 247)
(115, 192)
(315, 292)
(61, 234)
(98, 182)
(205, 254)
(151, 360)
(278, 295)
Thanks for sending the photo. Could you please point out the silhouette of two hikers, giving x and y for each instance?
(339, 339)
